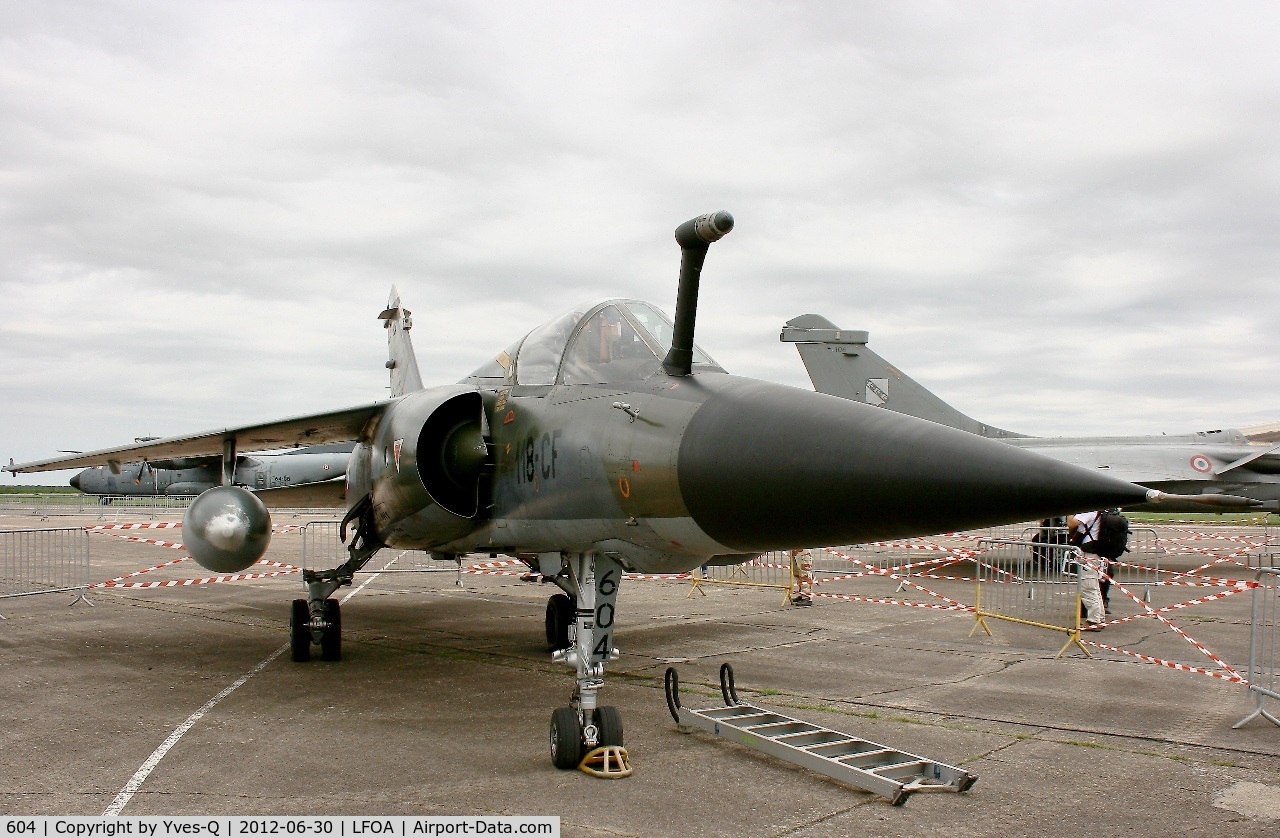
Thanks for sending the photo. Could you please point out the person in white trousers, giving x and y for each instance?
(1083, 527)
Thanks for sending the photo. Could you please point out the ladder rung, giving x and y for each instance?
(810, 732)
(818, 738)
(872, 759)
(787, 728)
(916, 766)
(853, 747)
(724, 714)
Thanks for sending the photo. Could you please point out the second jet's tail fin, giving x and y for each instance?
(840, 363)
(401, 360)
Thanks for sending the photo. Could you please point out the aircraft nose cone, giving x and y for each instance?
(765, 467)
(75, 481)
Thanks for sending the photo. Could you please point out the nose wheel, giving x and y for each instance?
(609, 724)
(569, 742)
(566, 738)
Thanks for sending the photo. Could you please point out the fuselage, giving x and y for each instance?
(261, 471)
(668, 472)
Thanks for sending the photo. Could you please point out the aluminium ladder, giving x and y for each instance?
(872, 767)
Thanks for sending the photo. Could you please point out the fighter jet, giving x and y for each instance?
(193, 475)
(606, 441)
(1223, 469)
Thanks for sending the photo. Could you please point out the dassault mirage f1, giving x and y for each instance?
(606, 441)
(193, 475)
(1211, 470)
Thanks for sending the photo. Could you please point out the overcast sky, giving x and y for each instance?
(1061, 217)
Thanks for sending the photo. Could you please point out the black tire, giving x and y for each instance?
(331, 640)
(609, 722)
(566, 738)
(559, 617)
(299, 633)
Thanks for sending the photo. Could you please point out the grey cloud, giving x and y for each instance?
(1061, 217)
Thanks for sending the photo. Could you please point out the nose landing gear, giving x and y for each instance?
(585, 735)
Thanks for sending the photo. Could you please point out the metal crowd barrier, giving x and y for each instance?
(116, 506)
(1264, 644)
(1138, 568)
(322, 549)
(1265, 556)
(920, 557)
(1030, 583)
(44, 562)
(770, 570)
(868, 556)
(104, 506)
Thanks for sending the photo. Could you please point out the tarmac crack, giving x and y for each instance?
(946, 682)
(1014, 741)
(793, 830)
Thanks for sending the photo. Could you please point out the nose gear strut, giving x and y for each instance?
(585, 735)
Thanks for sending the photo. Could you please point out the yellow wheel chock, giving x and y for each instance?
(609, 762)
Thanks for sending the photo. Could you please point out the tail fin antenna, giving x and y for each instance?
(401, 360)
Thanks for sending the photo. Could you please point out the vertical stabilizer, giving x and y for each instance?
(401, 361)
(840, 363)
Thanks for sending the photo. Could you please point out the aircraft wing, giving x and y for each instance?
(1269, 432)
(335, 426)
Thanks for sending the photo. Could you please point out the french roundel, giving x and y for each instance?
(1201, 464)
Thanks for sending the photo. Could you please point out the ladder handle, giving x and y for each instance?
(671, 686)
(727, 688)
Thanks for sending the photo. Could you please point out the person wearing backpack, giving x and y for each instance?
(1112, 543)
(1084, 528)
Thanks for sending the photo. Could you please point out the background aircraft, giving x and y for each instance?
(606, 441)
(193, 475)
(1215, 464)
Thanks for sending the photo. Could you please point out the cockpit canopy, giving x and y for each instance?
(601, 343)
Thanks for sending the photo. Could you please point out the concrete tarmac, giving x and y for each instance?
(442, 701)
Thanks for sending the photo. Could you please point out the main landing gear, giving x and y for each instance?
(580, 632)
(318, 618)
(560, 616)
(324, 628)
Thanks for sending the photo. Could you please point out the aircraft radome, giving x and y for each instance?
(606, 441)
(1209, 470)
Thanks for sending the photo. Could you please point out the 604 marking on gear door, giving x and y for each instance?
(606, 595)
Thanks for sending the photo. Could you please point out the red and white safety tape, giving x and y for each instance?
(159, 525)
(1243, 586)
(907, 581)
(1197, 645)
(887, 601)
(1233, 678)
(182, 583)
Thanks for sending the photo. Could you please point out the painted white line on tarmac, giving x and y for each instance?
(144, 771)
